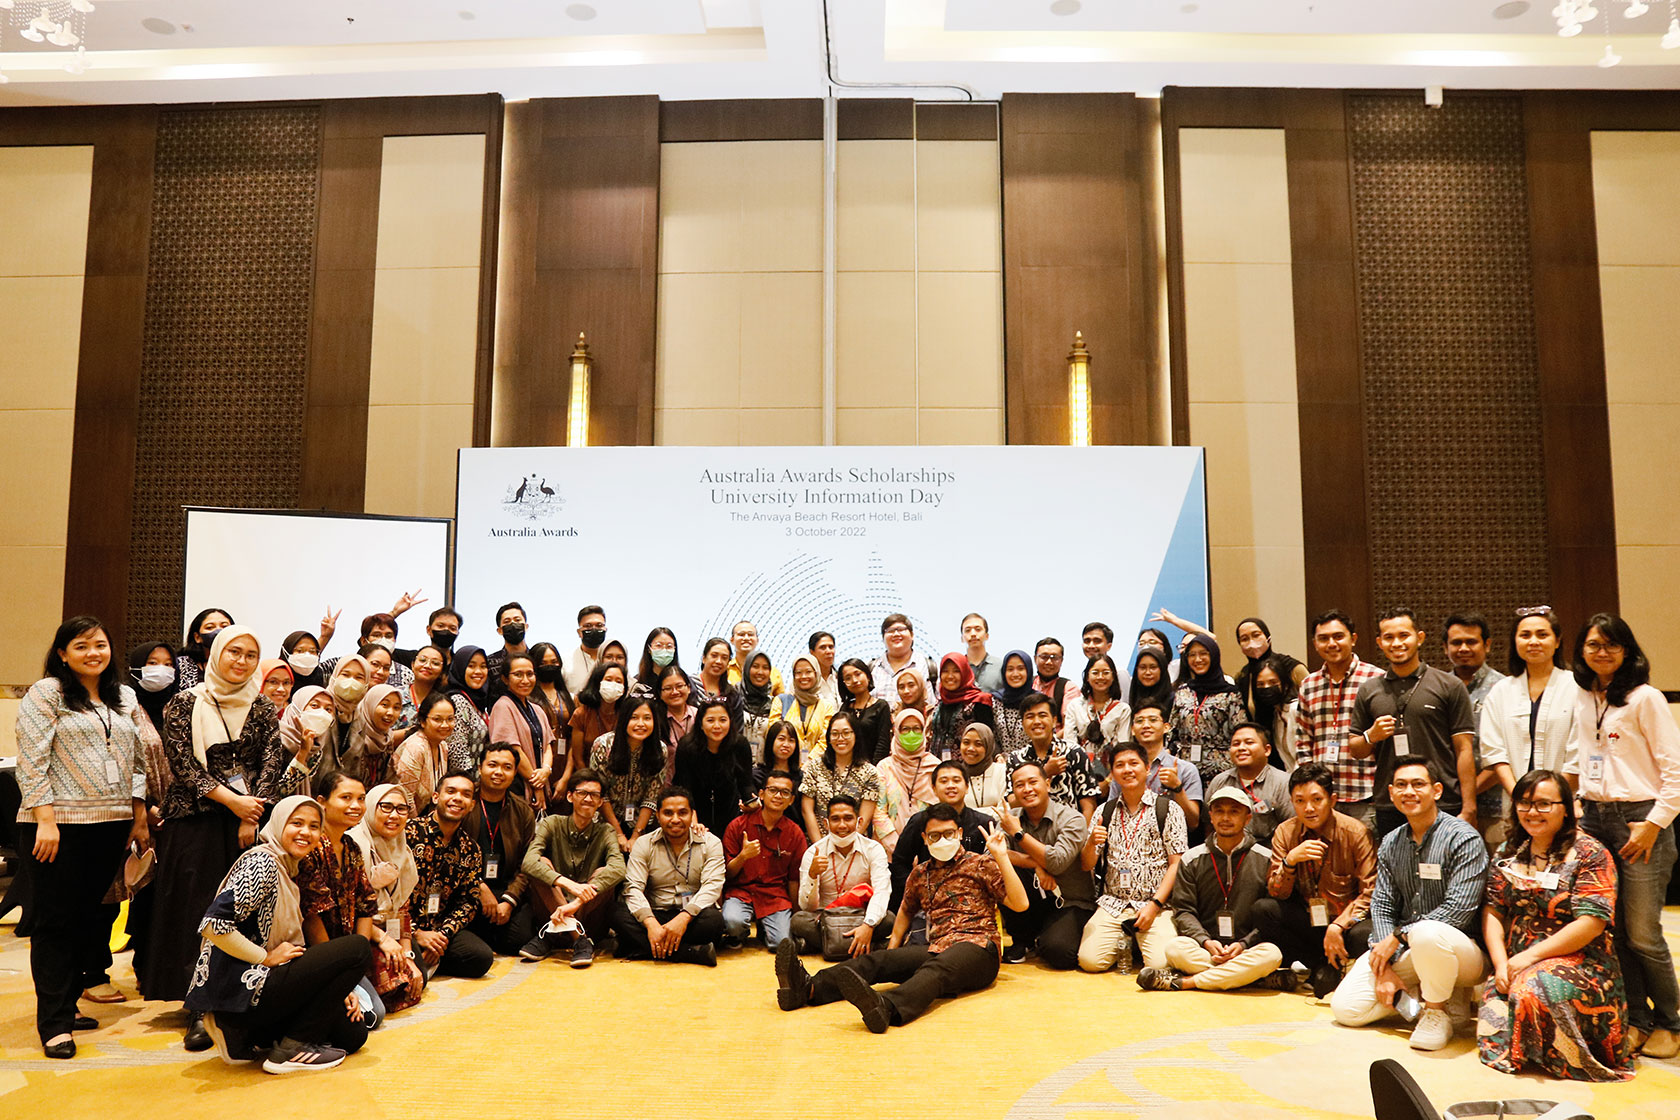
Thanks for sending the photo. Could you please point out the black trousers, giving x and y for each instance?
(467, 956)
(922, 976)
(507, 939)
(71, 937)
(1287, 923)
(1053, 931)
(633, 938)
(303, 999)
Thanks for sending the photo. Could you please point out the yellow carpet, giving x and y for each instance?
(635, 1039)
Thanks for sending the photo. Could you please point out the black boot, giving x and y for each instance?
(197, 1038)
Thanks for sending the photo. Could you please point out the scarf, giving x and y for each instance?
(290, 644)
(808, 698)
(920, 704)
(914, 772)
(152, 702)
(268, 664)
(966, 692)
(394, 851)
(990, 738)
(367, 747)
(756, 698)
(221, 708)
(348, 714)
(1011, 696)
(1161, 692)
(480, 697)
(1210, 683)
(288, 909)
(291, 731)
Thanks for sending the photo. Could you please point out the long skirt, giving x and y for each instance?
(193, 857)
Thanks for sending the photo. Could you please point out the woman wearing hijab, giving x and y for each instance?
(1206, 708)
(986, 771)
(305, 743)
(961, 702)
(912, 687)
(276, 678)
(382, 837)
(259, 988)
(1254, 638)
(871, 715)
(302, 652)
(515, 719)
(152, 675)
(222, 737)
(1151, 680)
(1006, 705)
(756, 696)
(368, 754)
(469, 691)
(805, 706)
(351, 678)
(906, 777)
(201, 631)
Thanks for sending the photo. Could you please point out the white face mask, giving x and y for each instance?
(945, 849)
(304, 663)
(156, 678)
(316, 721)
(387, 644)
(349, 690)
(844, 843)
(611, 690)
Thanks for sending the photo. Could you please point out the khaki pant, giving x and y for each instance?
(1442, 961)
(1099, 945)
(1190, 958)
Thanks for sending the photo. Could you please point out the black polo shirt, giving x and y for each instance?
(1436, 707)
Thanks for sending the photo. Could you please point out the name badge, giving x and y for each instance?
(1227, 925)
(492, 867)
(1124, 878)
(684, 898)
(1195, 752)
(1595, 768)
(1402, 744)
(237, 784)
(434, 903)
(393, 928)
(1333, 751)
(1429, 871)
(1319, 911)
(113, 775)
(1548, 880)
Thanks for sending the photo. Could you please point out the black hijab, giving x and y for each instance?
(1011, 696)
(480, 697)
(152, 702)
(1162, 691)
(299, 680)
(755, 698)
(1210, 683)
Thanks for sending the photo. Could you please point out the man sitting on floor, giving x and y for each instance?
(1265, 786)
(672, 884)
(960, 892)
(1133, 851)
(446, 897)
(1045, 842)
(1218, 948)
(575, 868)
(502, 824)
(840, 862)
(764, 848)
(950, 787)
(1430, 876)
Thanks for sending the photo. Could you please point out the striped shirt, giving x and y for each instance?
(1322, 729)
(1451, 893)
(63, 756)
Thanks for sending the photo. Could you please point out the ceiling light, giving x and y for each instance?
(1064, 7)
(464, 14)
(158, 26)
(1511, 10)
(580, 11)
(1610, 57)
(1636, 9)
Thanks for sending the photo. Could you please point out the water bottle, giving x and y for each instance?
(1123, 963)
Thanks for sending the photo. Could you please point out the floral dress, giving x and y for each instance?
(1202, 729)
(1565, 1016)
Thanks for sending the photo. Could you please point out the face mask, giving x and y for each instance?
(304, 663)
(156, 678)
(348, 690)
(911, 741)
(593, 637)
(316, 721)
(513, 633)
(443, 639)
(386, 644)
(945, 849)
(662, 657)
(1269, 695)
(843, 843)
(548, 674)
(611, 690)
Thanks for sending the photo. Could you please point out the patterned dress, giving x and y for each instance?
(338, 891)
(1565, 1016)
(1206, 724)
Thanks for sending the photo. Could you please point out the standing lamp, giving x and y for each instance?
(1079, 393)
(577, 413)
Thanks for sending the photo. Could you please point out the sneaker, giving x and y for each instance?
(1160, 980)
(793, 983)
(1015, 954)
(1325, 979)
(1660, 1043)
(231, 1042)
(876, 1011)
(1281, 980)
(540, 947)
(1433, 1031)
(302, 1057)
(583, 953)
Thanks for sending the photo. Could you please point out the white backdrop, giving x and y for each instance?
(278, 570)
(1040, 540)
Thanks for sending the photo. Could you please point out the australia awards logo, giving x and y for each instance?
(532, 499)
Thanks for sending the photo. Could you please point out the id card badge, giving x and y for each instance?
(1195, 752)
(1333, 751)
(237, 784)
(113, 773)
(1227, 925)
(492, 867)
(434, 903)
(1402, 744)
(1124, 878)
(1548, 880)
(1319, 910)
(393, 928)
(684, 898)
(1430, 871)
(1595, 768)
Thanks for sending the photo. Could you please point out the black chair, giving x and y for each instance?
(1396, 1096)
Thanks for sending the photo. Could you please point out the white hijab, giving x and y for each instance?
(394, 851)
(218, 715)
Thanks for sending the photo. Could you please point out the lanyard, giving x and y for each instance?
(1224, 889)
(1131, 822)
(488, 827)
(688, 860)
(1600, 713)
(219, 715)
(99, 713)
(1404, 702)
(840, 876)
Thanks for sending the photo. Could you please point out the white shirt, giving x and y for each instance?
(577, 666)
(1640, 748)
(866, 861)
(1503, 727)
(990, 789)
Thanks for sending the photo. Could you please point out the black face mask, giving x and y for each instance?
(443, 639)
(1268, 695)
(548, 674)
(513, 633)
(593, 637)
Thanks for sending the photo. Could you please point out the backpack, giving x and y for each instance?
(1161, 810)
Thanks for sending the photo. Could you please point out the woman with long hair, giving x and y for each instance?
(658, 651)
(1254, 639)
(1626, 750)
(515, 719)
(424, 758)
(1096, 716)
(675, 697)
(1275, 698)
(839, 768)
(779, 754)
(195, 646)
(871, 715)
(1528, 718)
(631, 759)
(714, 764)
(337, 898)
(556, 703)
(1556, 1003)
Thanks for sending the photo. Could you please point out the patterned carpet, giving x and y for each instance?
(635, 1039)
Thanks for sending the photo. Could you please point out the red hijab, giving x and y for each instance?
(966, 692)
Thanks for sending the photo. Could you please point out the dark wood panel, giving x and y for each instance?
(691, 122)
(875, 118)
(408, 116)
(599, 212)
(957, 120)
(488, 269)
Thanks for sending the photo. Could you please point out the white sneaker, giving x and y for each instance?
(1433, 1031)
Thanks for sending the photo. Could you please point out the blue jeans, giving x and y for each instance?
(738, 919)
(1641, 887)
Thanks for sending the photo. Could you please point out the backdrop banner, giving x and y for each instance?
(1040, 540)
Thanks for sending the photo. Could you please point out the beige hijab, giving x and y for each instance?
(219, 714)
(288, 910)
(394, 851)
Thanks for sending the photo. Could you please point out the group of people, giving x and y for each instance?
(331, 834)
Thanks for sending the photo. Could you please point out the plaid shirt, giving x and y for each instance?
(1322, 729)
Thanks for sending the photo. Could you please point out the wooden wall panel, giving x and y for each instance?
(700, 122)
(1074, 209)
(579, 252)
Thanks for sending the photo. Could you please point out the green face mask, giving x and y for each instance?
(911, 741)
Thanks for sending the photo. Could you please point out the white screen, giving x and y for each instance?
(277, 571)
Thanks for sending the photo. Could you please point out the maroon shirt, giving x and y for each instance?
(762, 881)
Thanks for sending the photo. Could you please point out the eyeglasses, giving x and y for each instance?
(1419, 784)
(894, 630)
(1539, 805)
(522, 675)
(777, 792)
(391, 810)
(585, 795)
(246, 655)
(1530, 612)
(944, 835)
(1601, 647)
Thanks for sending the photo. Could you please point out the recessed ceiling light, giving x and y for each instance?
(464, 14)
(158, 26)
(1064, 7)
(1511, 10)
(1190, 9)
(580, 11)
